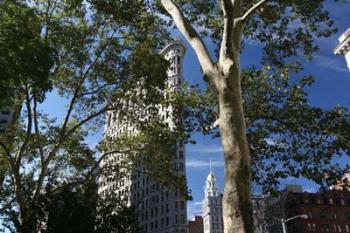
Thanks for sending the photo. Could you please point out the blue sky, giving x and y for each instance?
(332, 87)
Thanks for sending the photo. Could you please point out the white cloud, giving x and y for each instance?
(310, 190)
(331, 63)
(205, 149)
(202, 164)
(194, 208)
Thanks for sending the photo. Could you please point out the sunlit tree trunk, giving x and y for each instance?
(224, 77)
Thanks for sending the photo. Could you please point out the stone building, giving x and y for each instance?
(212, 207)
(343, 47)
(6, 115)
(160, 209)
(258, 206)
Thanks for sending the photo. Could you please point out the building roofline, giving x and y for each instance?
(344, 43)
(343, 47)
(172, 43)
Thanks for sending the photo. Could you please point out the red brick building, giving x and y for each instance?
(327, 211)
(196, 225)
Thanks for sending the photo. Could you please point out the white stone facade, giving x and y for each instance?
(160, 209)
(212, 207)
(343, 47)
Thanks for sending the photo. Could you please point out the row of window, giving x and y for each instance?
(163, 222)
(213, 226)
(323, 214)
(3, 121)
(311, 227)
(340, 200)
(5, 112)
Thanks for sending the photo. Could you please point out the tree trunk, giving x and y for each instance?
(27, 223)
(236, 201)
(224, 77)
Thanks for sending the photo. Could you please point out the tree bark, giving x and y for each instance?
(236, 202)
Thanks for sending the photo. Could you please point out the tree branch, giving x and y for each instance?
(37, 131)
(29, 129)
(191, 35)
(252, 10)
(226, 49)
(93, 169)
(63, 133)
(8, 154)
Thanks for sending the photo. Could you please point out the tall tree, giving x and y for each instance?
(229, 23)
(97, 62)
(286, 31)
(24, 55)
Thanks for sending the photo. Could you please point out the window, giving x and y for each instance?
(181, 154)
(182, 205)
(309, 214)
(181, 166)
(331, 201)
(347, 215)
(342, 202)
(178, 59)
(335, 215)
(323, 214)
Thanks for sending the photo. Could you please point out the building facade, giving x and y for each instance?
(327, 211)
(160, 209)
(212, 207)
(6, 115)
(343, 47)
(275, 208)
(196, 225)
(258, 206)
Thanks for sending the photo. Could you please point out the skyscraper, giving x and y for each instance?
(343, 47)
(212, 207)
(160, 209)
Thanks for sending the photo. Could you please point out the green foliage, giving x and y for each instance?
(25, 57)
(288, 136)
(114, 216)
(97, 60)
(284, 28)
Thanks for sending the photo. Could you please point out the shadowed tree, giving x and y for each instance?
(95, 60)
